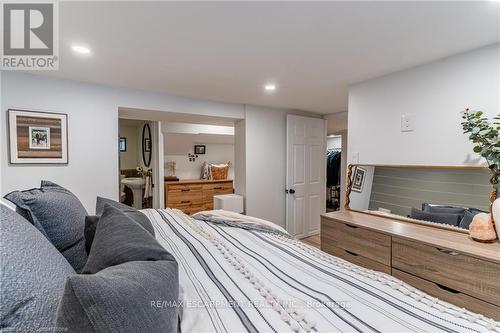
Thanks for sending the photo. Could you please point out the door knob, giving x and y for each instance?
(291, 191)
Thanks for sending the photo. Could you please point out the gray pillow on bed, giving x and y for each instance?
(119, 239)
(92, 220)
(131, 212)
(32, 275)
(122, 299)
(129, 271)
(59, 215)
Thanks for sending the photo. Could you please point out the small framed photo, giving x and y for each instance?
(122, 144)
(38, 137)
(358, 179)
(200, 149)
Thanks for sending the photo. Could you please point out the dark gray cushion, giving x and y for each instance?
(92, 220)
(32, 275)
(90, 227)
(442, 209)
(119, 239)
(452, 219)
(128, 271)
(123, 299)
(59, 215)
(131, 212)
(468, 217)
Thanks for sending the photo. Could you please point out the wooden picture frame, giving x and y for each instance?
(359, 179)
(37, 137)
(122, 144)
(200, 149)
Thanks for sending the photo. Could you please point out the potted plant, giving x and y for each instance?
(485, 136)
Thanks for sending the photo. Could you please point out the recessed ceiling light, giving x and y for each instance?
(80, 49)
(270, 87)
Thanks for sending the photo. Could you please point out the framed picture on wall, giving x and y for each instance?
(358, 179)
(122, 144)
(38, 137)
(200, 149)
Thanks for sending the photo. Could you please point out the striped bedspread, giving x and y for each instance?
(239, 280)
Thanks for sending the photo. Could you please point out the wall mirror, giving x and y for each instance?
(444, 197)
(146, 145)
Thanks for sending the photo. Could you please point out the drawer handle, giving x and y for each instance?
(351, 226)
(185, 201)
(448, 289)
(351, 253)
(185, 190)
(450, 252)
(218, 188)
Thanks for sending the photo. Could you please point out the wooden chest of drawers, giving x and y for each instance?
(192, 196)
(442, 263)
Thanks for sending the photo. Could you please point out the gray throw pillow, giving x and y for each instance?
(32, 276)
(129, 272)
(451, 219)
(131, 212)
(59, 215)
(119, 239)
(468, 217)
(122, 298)
(442, 209)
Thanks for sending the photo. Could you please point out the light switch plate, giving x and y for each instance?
(354, 157)
(407, 123)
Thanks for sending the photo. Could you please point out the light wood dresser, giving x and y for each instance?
(192, 196)
(445, 264)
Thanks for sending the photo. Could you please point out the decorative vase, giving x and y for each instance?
(495, 212)
(481, 229)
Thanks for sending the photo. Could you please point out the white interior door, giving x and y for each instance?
(306, 174)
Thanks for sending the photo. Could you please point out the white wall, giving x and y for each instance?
(93, 129)
(240, 159)
(265, 155)
(334, 142)
(178, 146)
(129, 159)
(435, 94)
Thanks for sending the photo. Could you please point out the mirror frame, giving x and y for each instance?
(349, 183)
(144, 128)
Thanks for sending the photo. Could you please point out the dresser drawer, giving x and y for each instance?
(442, 292)
(355, 258)
(209, 190)
(363, 242)
(218, 186)
(465, 274)
(174, 188)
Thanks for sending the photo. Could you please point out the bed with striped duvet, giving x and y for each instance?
(235, 279)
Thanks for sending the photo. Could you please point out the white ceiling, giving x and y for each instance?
(226, 51)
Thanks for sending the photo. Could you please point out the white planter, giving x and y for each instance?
(495, 212)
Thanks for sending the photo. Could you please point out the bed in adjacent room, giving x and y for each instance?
(240, 274)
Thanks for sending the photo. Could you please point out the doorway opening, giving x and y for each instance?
(192, 159)
(135, 144)
(333, 172)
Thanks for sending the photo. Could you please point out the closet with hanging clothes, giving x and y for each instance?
(333, 163)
